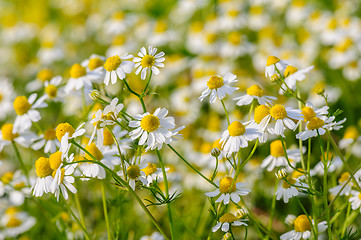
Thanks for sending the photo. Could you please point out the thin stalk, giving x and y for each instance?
(225, 110)
(106, 211)
(250, 110)
(148, 81)
(269, 227)
(78, 206)
(22, 165)
(345, 222)
(309, 179)
(120, 153)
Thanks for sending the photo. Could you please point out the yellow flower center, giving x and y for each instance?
(77, 71)
(359, 196)
(344, 177)
(12, 210)
(13, 222)
(21, 105)
(315, 123)
(290, 70)
(211, 38)
(1, 97)
(150, 123)
(272, 60)
(287, 184)
(19, 185)
(308, 113)
(112, 63)
(236, 129)
(351, 132)
(235, 38)
(150, 169)
(45, 75)
(133, 171)
(278, 112)
(261, 112)
(160, 27)
(118, 15)
(94, 63)
(206, 147)
(50, 134)
(255, 90)
(302, 224)
(7, 132)
(51, 90)
(42, 167)
(61, 176)
(63, 128)
(344, 45)
(147, 61)
(93, 150)
(7, 177)
(55, 160)
(217, 144)
(225, 185)
(296, 174)
(215, 82)
(228, 217)
(277, 148)
(108, 138)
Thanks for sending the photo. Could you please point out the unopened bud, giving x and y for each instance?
(275, 77)
(290, 219)
(215, 152)
(321, 91)
(226, 236)
(241, 213)
(94, 95)
(282, 173)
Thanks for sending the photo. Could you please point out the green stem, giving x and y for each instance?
(225, 110)
(106, 211)
(22, 165)
(148, 81)
(250, 110)
(308, 216)
(345, 223)
(269, 227)
(77, 202)
(120, 153)
(309, 180)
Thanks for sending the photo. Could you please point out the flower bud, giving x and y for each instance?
(94, 95)
(282, 173)
(321, 91)
(275, 77)
(215, 152)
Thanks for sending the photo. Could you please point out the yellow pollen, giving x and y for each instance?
(215, 82)
(290, 180)
(261, 112)
(351, 132)
(61, 176)
(328, 156)
(51, 90)
(77, 71)
(94, 63)
(21, 105)
(308, 113)
(108, 138)
(7, 177)
(290, 70)
(236, 129)
(272, 60)
(147, 61)
(225, 185)
(45, 75)
(255, 90)
(276, 148)
(50, 134)
(13, 222)
(112, 63)
(55, 160)
(43, 168)
(235, 38)
(150, 169)
(93, 150)
(302, 224)
(256, 10)
(133, 171)
(206, 148)
(150, 123)
(7, 132)
(344, 177)
(63, 128)
(233, 13)
(228, 217)
(315, 123)
(344, 45)
(278, 112)
(216, 144)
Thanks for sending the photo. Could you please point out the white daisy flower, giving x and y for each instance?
(51, 89)
(111, 112)
(292, 75)
(317, 126)
(43, 181)
(7, 136)
(15, 186)
(6, 95)
(227, 193)
(237, 136)
(134, 172)
(43, 76)
(303, 229)
(79, 79)
(64, 132)
(152, 129)
(63, 180)
(25, 109)
(47, 140)
(254, 92)
(277, 157)
(95, 64)
(288, 189)
(150, 60)
(226, 220)
(273, 63)
(333, 163)
(346, 190)
(16, 222)
(309, 111)
(355, 200)
(117, 66)
(218, 87)
(350, 136)
(153, 173)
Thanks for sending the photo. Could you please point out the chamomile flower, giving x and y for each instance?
(7, 136)
(64, 132)
(79, 79)
(152, 129)
(52, 89)
(228, 193)
(309, 111)
(134, 172)
(43, 181)
(95, 65)
(152, 172)
(355, 200)
(6, 95)
(292, 75)
(116, 67)
(16, 222)
(44, 75)
(25, 109)
(47, 140)
(284, 118)
(344, 184)
(274, 63)
(302, 228)
(254, 92)
(333, 163)
(63, 180)
(316, 126)
(148, 60)
(111, 112)
(14, 185)
(226, 220)
(218, 87)
(350, 136)
(237, 136)
(288, 189)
